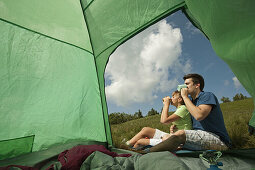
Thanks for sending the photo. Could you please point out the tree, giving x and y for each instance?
(138, 114)
(225, 99)
(239, 96)
(161, 110)
(117, 118)
(152, 112)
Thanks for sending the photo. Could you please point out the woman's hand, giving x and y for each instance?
(166, 100)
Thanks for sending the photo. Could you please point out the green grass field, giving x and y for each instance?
(236, 115)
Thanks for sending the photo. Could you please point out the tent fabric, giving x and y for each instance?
(230, 28)
(44, 158)
(13, 147)
(17, 167)
(60, 20)
(48, 89)
(53, 55)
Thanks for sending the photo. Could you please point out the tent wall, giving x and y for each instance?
(62, 20)
(49, 91)
(230, 27)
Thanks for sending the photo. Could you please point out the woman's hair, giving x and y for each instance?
(179, 93)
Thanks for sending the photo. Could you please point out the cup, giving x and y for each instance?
(181, 86)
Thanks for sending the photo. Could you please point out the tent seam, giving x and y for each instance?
(85, 19)
(16, 138)
(88, 5)
(9, 22)
(193, 23)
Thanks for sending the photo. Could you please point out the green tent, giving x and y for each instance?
(53, 56)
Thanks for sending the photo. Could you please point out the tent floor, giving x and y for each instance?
(231, 159)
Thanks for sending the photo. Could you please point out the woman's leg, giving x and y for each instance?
(145, 132)
(142, 142)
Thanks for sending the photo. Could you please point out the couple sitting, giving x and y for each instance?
(209, 132)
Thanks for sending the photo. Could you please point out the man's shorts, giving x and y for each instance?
(202, 140)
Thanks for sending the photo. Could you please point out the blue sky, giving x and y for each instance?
(151, 65)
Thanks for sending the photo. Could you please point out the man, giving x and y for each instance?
(209, 130)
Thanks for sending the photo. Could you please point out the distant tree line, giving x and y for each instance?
(117, 118)
(238, 96)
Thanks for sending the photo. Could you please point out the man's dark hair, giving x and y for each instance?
(197, 79)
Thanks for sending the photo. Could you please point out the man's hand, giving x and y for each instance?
(184, 92)
(173, 129)
(198, 112)
(166, 100)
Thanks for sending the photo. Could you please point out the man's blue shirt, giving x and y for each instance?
(214, 122)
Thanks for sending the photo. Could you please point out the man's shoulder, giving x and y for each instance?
(207, 98)
(206, 93)
(202, 94)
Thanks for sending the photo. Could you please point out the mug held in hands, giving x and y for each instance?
(181, 86)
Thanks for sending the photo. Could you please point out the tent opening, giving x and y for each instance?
(150, 65)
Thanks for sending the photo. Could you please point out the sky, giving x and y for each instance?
(150, 65)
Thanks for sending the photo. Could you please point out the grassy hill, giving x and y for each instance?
(236, 115)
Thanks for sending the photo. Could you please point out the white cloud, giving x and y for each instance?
(208, 67)
(226, 83)
(139, 69)
(192, 28)
(236, 82)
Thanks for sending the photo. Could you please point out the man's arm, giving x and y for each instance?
(198, 112)
(165, 119)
